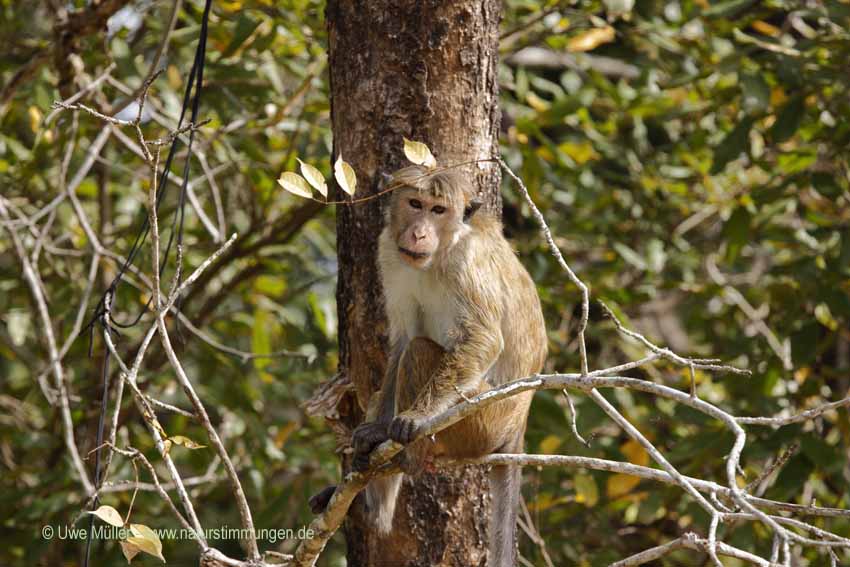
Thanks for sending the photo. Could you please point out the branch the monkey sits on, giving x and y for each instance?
(464, 317)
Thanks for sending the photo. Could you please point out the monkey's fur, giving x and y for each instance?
(464, 317)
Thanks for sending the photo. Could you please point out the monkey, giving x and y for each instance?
(464, 317)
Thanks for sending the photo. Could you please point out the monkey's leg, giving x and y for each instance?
(416, 367)
(459, 374)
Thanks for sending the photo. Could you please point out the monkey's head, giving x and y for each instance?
(429, 213)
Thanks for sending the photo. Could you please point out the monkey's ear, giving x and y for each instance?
(386, 179)
(470, 210)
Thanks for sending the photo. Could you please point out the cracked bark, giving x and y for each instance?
(425, 70)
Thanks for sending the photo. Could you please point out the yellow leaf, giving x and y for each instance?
(536, 102)
(35, 117)
(621, 484)
(345, 176)
(146, 545)
(580, 152)
(185, 442)
(109, 515)
(544, 501)
(129, 550)
(295, 184)
(284, 434)
(591, 39)
(550, 444)
(174, 78)
(765, 28)
(777, 97)
(419, 153)
(586, 490)
(149, 540)
(314, 177)
(635, 452)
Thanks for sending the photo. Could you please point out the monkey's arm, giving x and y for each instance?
(461, 374)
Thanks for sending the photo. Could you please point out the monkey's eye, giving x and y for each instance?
(416, 203)
(438, 210)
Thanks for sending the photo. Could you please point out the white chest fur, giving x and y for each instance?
(420, 305)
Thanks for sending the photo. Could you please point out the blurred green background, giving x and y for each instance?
(690, 157)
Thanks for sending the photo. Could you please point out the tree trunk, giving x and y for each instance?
(425, 71)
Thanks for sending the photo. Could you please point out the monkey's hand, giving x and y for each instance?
(404, 427)
(365, 438)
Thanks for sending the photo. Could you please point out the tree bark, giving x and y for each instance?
(425, 70)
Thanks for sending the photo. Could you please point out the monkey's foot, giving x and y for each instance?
(403, 429)
(319, 501)
(365, 438)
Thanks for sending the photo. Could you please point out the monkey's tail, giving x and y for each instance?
(381, 496)
(504, 499)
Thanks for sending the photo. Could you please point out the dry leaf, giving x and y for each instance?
(419, 153)
(185, 442)
(591, 39)
(151, 544)
(345, 176)
(295, 184)
(129, 549)
(314, 177)
(109, 515)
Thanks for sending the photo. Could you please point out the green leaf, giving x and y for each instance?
(788, 120)
(733, 145)
(728, 8)
(245, 26)
(737, 232)
(586, 490)
(756, 92)
(630, 256)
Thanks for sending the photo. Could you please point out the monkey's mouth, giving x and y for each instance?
(412, 254)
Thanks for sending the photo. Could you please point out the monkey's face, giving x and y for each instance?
(423, 226)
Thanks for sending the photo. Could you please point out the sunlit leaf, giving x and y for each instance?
(635, 452)
(109, 515)
(152, 544)
(765, 28)
(550, 444)
(345, 176)
(295, 184)
(586, 490)
(35, 117)
(185, 442)
(824, 317)
(591, 39)
(419, 153)
(147, 546)
(630, 255)
(619, 485)
(314, 177)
